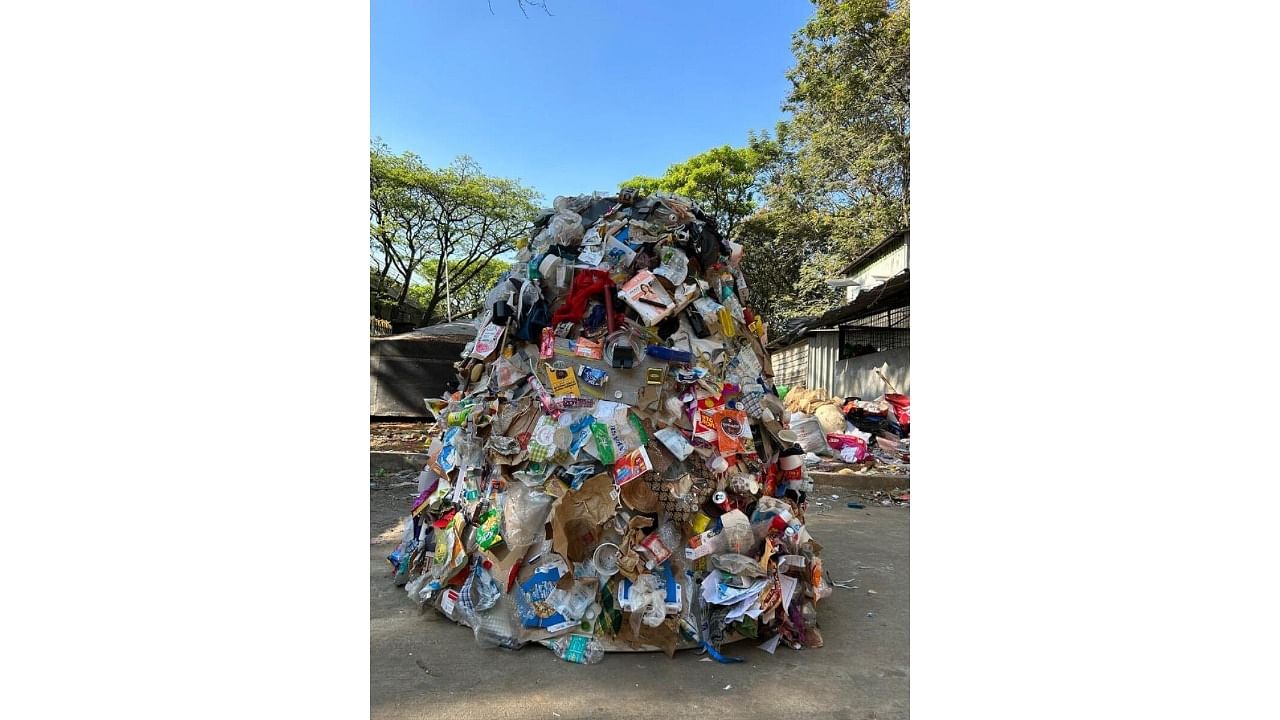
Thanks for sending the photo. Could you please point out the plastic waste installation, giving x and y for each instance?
(609, 474)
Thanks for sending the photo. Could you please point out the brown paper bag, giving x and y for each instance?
(577, 517)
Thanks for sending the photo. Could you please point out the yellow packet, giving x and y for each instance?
(563, 381)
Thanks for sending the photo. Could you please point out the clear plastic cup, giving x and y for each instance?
(605, 559)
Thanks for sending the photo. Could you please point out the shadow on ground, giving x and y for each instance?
(423, 666)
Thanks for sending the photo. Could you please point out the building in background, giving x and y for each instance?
(841, 350)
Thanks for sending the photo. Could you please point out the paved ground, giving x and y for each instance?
(423, 666)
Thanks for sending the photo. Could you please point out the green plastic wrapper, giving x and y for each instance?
(488, 531)
(604, 444)
(639, 428)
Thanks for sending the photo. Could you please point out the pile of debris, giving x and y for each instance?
(854, 431)
(615, 471)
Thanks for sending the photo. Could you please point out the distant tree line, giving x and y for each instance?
(420, 215)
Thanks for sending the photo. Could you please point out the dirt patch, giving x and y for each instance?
(390, 500)
(398, 436)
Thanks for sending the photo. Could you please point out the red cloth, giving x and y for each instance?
(586, 285)
(901, 407)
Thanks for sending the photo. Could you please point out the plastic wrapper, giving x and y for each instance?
(674, 267)
(498, 626)
(524, 514)
(737, 564)
(565, 228)
(644, 601)
(489, 529)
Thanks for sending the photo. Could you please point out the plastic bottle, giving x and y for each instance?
(582, 649)
(809, 615)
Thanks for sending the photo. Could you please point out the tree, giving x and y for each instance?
(456, 212)
(724, 180)
(787, 263)
(462, 298)
(846, 150)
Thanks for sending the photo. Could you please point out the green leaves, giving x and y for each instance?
(836, 176)
(849, 136)
(418, 213)
(725, 180)
(462, 296)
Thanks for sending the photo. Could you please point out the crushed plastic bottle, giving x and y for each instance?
(581, 649)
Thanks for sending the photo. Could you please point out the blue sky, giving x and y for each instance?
(583, 100)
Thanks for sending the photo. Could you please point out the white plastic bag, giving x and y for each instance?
(808, 430)
(524, 515)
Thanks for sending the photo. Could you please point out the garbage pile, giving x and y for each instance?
(854, 431)
(615, 471)
(888, 420)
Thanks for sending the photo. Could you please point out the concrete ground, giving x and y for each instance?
(423, 666)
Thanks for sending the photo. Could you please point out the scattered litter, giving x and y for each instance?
(728, 687)
(872, 592)
(857, 506)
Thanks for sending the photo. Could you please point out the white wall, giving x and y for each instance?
(892, 263)
(857, 376)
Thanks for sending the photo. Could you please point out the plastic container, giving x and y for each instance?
(619, 350)
(582, 649)
(605, 560)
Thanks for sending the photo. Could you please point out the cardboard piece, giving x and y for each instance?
(577, 517)
(665, 637)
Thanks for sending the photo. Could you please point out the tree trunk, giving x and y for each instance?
(408, 280)
(386, 268)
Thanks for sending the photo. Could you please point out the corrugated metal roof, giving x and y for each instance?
(895, 292)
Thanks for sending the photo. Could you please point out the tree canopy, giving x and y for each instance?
(456, 212)
(461, 299)
(845, 152)
(836, 176)
(726, 180)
